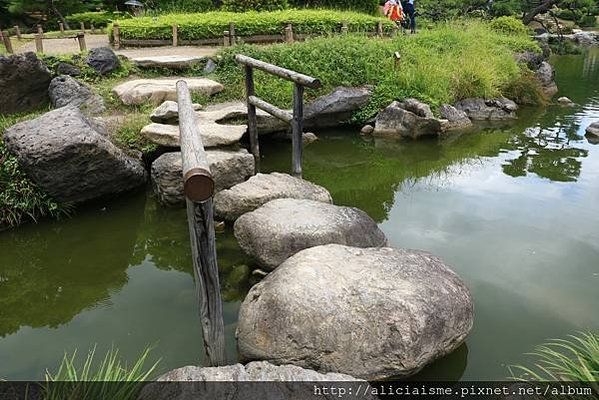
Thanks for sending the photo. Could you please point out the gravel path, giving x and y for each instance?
(66, 46)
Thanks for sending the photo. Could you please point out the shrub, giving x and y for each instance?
(587, 21)
(99, 19)
(191, 6)
(367, 6)
(212, 24)
(254, 5)
(509, 25)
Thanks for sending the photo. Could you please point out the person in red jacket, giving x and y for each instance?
(394, 11)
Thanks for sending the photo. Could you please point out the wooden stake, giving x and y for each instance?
(39, 46)
(252, 118)
(18, 32)
(7, 43)
(40, 30)
(81, 39)
(61, 27)
(289, 33)
(344, 28)
(116, 32)
(226, 39)
(92, 28)
(175, 35)
(82, 26)
(297, 130)
(232, 38)
(379, 29)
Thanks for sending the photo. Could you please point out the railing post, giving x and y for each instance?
(199, 187)
(226, 39)
(175, 35)
(81, 39)
(116, 33)
(252, 118)
(61, 27)
(7, 42)
(40, 30)
(379, 28)
(289, 33)
(18, 32)
(39, 46)
(344, 28)
(297, 130)
(232, 39)
(82, 26)
(92, 28)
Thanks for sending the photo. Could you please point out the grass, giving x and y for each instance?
(212, 24)
(62, 35)
(110, 379)
(453, 61)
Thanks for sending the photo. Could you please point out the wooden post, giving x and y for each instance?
(7, 42)
(252, 118)
(61, 27)
(175, 35)
(116, 32)
(232, 39)
(1, 35)
(82, 26)
(40, 30)
(297, 129)
(199, 188)
(289, 33)
(39, 46)
(379, 28)
(344, 28)
(92, 28)
(18, 32)
(81, 39)
(226, 39)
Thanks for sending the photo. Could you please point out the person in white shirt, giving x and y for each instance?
(411, 11)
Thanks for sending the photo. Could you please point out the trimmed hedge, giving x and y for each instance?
(212, 24)
(99, 19)
(254, 5)
(367, 6)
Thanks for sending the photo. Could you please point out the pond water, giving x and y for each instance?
(513, 209)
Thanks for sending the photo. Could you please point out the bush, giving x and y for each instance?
(509, 25)
(587, 21)
(212, 24)
(443, 65)
(254, 5)
(367, 6)
(99, 19)
(192, 6)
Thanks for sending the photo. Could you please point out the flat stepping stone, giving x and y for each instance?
(168, 112)
(372, 313)
(140, 91)
(232, 203)
(226, 112)
(171, 62)
(228, 167)
(213, 134)
(281, 228)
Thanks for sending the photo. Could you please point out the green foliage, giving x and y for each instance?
(572, 359)
(212, 24)
(254, 5)
(99, 19)
(128, 136)
(183, 6)
(112, 378)
(20, 199)
(366, 6)
(451, 62)
(509, 25)
(88, 74)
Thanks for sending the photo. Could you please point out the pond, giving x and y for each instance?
(513, 209)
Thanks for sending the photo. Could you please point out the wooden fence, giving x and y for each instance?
(39, 38)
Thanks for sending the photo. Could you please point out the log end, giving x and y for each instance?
(198, 185)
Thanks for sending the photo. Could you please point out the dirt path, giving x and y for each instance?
(66, 46)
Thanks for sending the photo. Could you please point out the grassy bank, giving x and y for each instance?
(450, 62)
(212, 24)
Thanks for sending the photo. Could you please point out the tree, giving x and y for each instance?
(52, 8)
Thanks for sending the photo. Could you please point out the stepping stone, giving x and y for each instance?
(213, 135)
(235, 111)
(372, 313)
(280, 228)
(232, 203)
(593, 129)
(140, 91)
(171, 62)
(168, 112)
(228, 167)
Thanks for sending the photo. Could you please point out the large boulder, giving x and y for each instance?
(230, 204)
(372, 313)
(24, 81)
(455, 119)
(280, 228)
(400, 120)
(70, 159)
(546, 75)
(488, 109)
(103, 60)
(168, 112)
(593, 129)
(337, 107)
(67, 91)
(64, 68)
(140, 91)
(228, 167)
(234, 382)
(587, 38)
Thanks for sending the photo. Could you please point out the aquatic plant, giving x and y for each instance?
(111, 379)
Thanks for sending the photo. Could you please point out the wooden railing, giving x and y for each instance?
(295, 119)
(198, 186)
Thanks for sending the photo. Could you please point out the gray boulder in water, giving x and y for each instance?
(410, 119)
(498, 109)
(371, 313)
(456, 119)
(546, 75)
(67, 91)
(24, 81)
(70, 159)
(336, 108)
(280, 228)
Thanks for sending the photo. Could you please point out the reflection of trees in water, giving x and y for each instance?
(51, 272)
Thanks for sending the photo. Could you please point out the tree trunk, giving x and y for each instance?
(541, 8)
(52, 8)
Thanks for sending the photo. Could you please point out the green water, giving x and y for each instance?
(513, 209)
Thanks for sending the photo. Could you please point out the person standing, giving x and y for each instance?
(411, 11)
(394, 11)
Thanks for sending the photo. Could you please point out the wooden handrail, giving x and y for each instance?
(269, 108)
(284, 73)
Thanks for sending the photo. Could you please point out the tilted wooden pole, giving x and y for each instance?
(252, 118)
(7, 43)
(18, 32)
(198, 186)
(297, 127)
